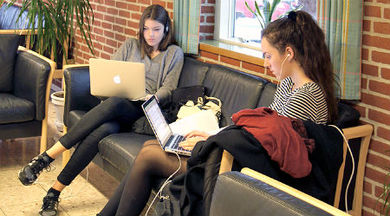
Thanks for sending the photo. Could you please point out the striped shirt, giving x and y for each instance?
(306, 102)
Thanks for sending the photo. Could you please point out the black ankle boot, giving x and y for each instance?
(29, 174)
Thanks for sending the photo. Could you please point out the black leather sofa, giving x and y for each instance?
(23, 104)
(117, 152)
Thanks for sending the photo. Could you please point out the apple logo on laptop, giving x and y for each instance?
(117, 79)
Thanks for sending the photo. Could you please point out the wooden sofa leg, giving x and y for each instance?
(43, 145)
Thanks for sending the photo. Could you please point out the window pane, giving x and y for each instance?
(247, 27)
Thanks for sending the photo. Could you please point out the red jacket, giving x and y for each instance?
(283, 138)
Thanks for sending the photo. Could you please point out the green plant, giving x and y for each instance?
(53, 22)
(264, 16)
(385, 197)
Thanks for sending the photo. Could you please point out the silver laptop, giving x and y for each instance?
(117, 78)
(168, 141)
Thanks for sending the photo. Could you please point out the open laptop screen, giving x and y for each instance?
(157, 120)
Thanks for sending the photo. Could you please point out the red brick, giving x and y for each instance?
(376, 41)
(382, 27)
(130, 32)
(121, 5)
(133, 7)
(112, 11)
(381, 57)
(370, 69)
(378, 116)
(253, 67)
(383, 1)
(365, 54)
(383, 133)
(372, 11)
(209, 37)
(120, 21)
(170, 5)
(100, 39)
(369, 212)
(361, 109)
(207, 9)
(364, 83)
(385, 73)
(107, 26)
(208, 55)
(375, 175)
(206, 28)
(367, 187)
(144, 2)
(159, 2)
(117, 28)
(108, 49)
(120, 37)
(109, 34)
(136, 16)
(371, 203)
(380, 87)
(377, 161)
(378, 191)
(386, 13)
(109, 2)
(366, 25)
(98, 16)
(376, 101)
(230, 61)
(101, 8)
(211, 1)
(132, 24)
(105, 56)
(201, 20)
(124, 14)
(210, 19)
(109, 18)
(380, 147)
(112, 43)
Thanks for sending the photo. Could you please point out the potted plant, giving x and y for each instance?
(54, 22)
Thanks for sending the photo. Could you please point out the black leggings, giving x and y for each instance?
(134, 190)
(101, 121)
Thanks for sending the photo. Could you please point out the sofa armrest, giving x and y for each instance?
(251, 193)
(32, 79)
(77, 90)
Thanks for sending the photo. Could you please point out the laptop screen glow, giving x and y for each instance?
(159, 124)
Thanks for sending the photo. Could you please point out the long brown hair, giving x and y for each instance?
(300, 32)
(159, 14)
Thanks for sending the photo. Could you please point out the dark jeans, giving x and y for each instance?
(106, 118)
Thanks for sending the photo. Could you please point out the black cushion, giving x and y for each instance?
(8, 48)
(14, 109)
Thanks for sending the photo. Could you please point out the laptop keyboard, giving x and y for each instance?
(175, 142)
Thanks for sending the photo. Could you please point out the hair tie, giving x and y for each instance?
(292, 15)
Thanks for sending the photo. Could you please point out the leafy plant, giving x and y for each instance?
(385, 196)
(53, 22)
(264, 15)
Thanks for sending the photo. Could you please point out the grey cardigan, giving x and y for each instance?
(162, 72)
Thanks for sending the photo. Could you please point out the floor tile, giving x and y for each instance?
(29, 209)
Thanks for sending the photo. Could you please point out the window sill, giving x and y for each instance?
(232, 51)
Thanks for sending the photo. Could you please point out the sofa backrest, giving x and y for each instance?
(236, 90)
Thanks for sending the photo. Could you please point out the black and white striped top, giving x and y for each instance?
(306, 102)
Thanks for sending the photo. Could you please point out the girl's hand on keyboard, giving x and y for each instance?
(192, 138)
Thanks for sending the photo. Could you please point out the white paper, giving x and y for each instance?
(201, 121)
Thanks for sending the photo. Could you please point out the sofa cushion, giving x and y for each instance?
(236, 90)
(14, 109)
(8, 48)
(267, 96)
(193, 72)
(121, 149)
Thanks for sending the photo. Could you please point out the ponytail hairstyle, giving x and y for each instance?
(300, 32)
(159, 14)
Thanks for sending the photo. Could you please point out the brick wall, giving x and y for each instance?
(375, 104)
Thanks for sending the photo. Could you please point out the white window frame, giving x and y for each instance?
(222, 30)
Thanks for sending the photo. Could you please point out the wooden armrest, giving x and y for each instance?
(293, 192)
(226, 162)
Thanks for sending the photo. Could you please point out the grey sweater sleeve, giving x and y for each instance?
(173, 64)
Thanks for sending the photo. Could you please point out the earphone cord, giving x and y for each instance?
(281, 67)
(158, 194)
(353, 167)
